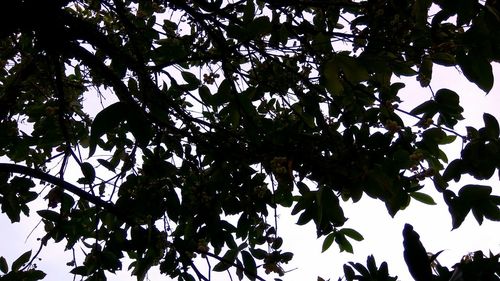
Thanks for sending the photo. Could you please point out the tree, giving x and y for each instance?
(215, 113)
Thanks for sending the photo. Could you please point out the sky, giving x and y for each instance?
(382, 233)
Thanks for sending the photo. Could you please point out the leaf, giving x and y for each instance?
(205, 94)
(259, 26)
(349, 272)
(306, 216)
(286, 257)
(445, 59)
(106, 164)
(328, 242)
(361, 269)
(420, 11)
(371, 265)
(190, 78)
(448, 100)
(258, 253)
(490, 210)
(425, 71)
(4, 267)
(402, 68)
(466, 10)
(105, 121)
(223, 94)
(474, 192)
(88, 172)
(303, 188)
(80, 270)
(277, 243)
(478, 215)
(173, 205)
(429, 108)
(227, 260)
(344, 244)
(49, 215)
(352, 234)
(331, 75)
(491, 126)
(249, 12)
(351, 67)
(139, 125)
(19, 262)
(33, 274)
(457, 208)
(329, 207)
(458, 216)
(422, 197)
(250, 266)
(477, 69)
(454, 170)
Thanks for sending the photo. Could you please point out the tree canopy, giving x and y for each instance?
(190, 122)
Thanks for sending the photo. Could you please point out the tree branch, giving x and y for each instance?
(19, 169)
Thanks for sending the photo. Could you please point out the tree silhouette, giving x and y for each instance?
(185, 124)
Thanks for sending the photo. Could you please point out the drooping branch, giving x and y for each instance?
(19, 169)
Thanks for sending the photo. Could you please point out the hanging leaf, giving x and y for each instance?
(249, 264)
(328, 242)
(344, 244)
(352, 234)
(88, 172)
(492, 129)
(477, 69)
(4, 267)
(105, 121)
(190, 78)
(422, 197)
(140, 127)
(331, 75)
(22, 260)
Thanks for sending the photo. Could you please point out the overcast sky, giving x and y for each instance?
(382, 233)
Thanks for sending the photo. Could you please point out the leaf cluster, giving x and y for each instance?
(191, 122)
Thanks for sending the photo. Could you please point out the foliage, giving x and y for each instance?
(191, 121)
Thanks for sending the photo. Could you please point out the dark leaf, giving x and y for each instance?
(343, 243)
(250, 266)
(453, 171)
(328, 242)
(351, 233)
(422, 197)
(491, 126)
(22, 260)
(415, 255)
(227, 260)
(4, 267)
(105, 121)
(477, 69)
(371, 265)
(349, 272)
(190, 78)
(474, 192)
(49, 215)
(88, 172)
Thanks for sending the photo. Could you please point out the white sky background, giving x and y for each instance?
(382, 233)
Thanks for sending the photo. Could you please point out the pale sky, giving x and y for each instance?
(382, 233)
